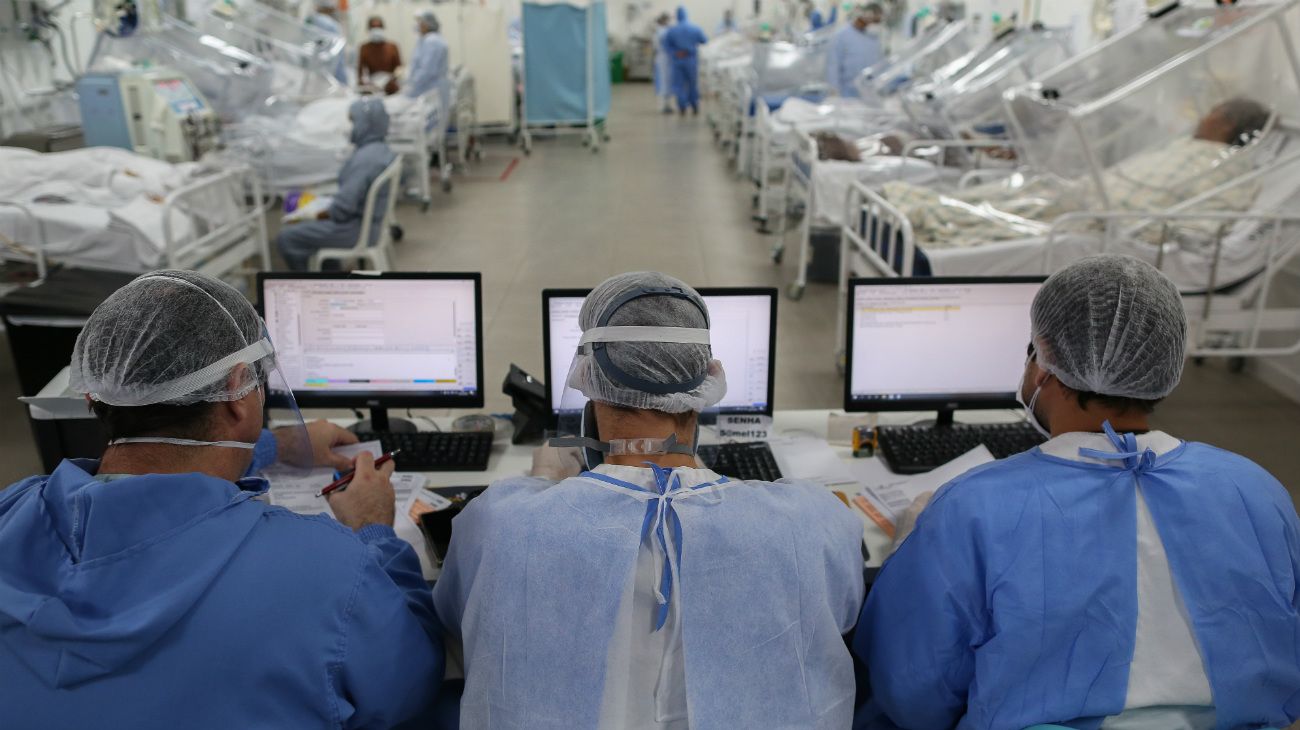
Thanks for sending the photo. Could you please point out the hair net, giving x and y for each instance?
(429, 19)
(1112, 325)
(327, 4)
(171, 337)
(666, 376)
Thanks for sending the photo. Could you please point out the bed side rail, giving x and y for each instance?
(877, 232)
(220, 241)
(1237, 319)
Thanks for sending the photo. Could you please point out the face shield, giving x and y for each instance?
(180, 338)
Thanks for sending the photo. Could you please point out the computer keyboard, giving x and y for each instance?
(437, 450)
(747, 460)
(918, 449)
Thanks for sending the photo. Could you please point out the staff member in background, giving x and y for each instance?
(853, 48)
(1114, 576)
(378, 55)
(430, 67)
(683, 41)
(153, 589)
(663, 65)
(649, 593)
(326, 19)
(728, 23)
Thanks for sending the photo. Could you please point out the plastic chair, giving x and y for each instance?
(378, 257)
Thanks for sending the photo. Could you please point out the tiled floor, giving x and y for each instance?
(661, 196)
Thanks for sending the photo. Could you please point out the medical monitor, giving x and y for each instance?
(936, 343)
(377, 340)
(742, 335)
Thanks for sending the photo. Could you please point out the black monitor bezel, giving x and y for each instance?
(375, 399)
(919, 404)
(713, 291)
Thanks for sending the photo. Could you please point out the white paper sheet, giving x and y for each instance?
(894, 493)
(351, 450)
(297, 492)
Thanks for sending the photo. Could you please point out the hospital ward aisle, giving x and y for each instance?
(660, 197)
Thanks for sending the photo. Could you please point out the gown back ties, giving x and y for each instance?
(1126, 450)
(662, 520)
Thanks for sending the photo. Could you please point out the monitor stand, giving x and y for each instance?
(943, 419)
(379, 422)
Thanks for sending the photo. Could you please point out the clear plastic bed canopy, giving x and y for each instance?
(934, 48)
(791, 67)
(971, 100)
(304, 57)
(233, 80)
(1195, 76)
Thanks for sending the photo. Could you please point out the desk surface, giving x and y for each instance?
(509, 460)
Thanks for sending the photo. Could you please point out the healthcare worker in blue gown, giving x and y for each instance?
(326, 19)
(430, 68)
(340, 225)
(649, 592)
(1115, 576)
(853, 48)
(154, 588)
(682, 42)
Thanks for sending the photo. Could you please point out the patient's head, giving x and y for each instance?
(1233, 122)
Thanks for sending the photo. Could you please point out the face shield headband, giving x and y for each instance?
(595, 340)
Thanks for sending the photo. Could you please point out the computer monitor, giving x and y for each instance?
(743, 338)
(936, 343)
(377, 340)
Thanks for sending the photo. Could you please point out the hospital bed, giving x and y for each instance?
(105, 208)
(954, 119)
(1226, 277)
(296, 146)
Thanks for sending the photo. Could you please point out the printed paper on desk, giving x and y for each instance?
(350, 451)
(422, 501)
(812, 460)
(742, 427)
(297, 492)
(898, 493)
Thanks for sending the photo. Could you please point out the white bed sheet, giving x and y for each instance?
(1243, 254)
(831, 180)
(308, 148)
(99, 206)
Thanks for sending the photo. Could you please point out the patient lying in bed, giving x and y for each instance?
(1151, 181)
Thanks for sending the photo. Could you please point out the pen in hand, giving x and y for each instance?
(346, 479)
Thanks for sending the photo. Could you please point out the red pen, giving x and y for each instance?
(346, 479)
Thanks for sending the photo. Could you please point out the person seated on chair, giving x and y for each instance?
(1113, 577)
(340, 224)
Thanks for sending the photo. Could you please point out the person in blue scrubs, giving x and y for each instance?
(339, 226)
(663, 68)
(326, 19)
(682, 42)
(853, 48)
(1115, 576)
(431, 68)
(649, 592)
(155, 587)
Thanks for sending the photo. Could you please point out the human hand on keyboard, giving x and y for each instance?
(369, 498)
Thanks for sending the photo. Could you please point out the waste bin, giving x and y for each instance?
(616, 67)
(824, 264)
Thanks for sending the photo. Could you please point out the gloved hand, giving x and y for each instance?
(556, 463)
(906, 522)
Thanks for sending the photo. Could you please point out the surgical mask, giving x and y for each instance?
(1033, 400)
(377, 35)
